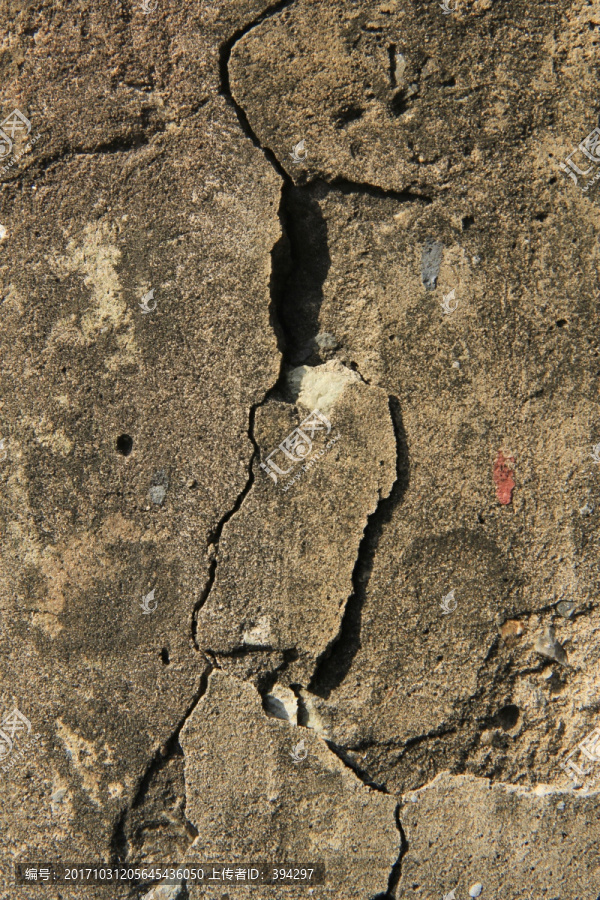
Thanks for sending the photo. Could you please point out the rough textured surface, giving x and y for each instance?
(461, 831)
(272, 808)
(416, 599)
(285, 561)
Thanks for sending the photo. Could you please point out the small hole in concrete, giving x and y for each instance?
(508, 716)
(124, 444)
(164, 655)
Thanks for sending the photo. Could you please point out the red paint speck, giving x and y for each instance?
(503, 478)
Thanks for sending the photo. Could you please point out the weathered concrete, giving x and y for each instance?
(423, 597)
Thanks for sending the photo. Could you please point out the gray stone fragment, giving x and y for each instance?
(159, 486)
(565, 608)
(547, 645)
(57, 798)
(326, 341)
(431, 261)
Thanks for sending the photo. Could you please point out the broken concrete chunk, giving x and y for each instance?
(319, 387)
(286, 559)
(282, 703)
(278, 803)
(546, 645)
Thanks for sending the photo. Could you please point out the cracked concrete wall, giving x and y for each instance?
(349, 208)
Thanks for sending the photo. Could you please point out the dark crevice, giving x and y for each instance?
(394, 878)
(372, 190)
(334, 665)
(350, 113)
(392, 56)
(299, 288)
(399, 103)
(119, 844)
(300, 262)
(116, 145)
(351, 764)
(215, 534)
(225, 90)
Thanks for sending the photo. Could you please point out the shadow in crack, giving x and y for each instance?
(302, 271)
(333, 667)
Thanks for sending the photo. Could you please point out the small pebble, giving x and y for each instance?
(561, 805)
(400, 66)
(2, 232)
(431, 260)
(456, 364)
(511, 631)
(586, 510)
(158, 494)
(159, 485)
(546, 645)
(475, 890)
(565, 608)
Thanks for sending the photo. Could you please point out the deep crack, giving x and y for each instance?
(300, 259)
(215, 534)
(119, 844)
(334, 665)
